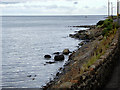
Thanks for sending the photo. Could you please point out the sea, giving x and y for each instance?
(25, 41)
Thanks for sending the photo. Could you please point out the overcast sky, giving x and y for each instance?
(55, 7)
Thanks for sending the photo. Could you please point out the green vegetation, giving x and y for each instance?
(108, 27)
(109, 30)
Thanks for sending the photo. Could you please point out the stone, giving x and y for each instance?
(56, 53)
(100, 22)
(29, 75)
(47, 56)
(81, 44)
(100, 37)
(33, 78)
(66, 85)
(66, 51)
(50, 62)
(92, 67)
(74, 81)
(83, 77)
(59, 57)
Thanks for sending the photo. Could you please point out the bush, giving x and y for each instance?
(108, 26)
(105, 31)
(100, 22)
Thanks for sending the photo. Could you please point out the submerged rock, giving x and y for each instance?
(66, 51)
(29, 75)
(59, 57)
(33, 78)
(47, 56)
(50, 62)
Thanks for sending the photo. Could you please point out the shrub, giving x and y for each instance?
(100, 22)
(108, 26)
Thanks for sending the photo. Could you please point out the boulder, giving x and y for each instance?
(56, 53)
(100, 22)
(66, 51)
(47, 56)
(59, 57)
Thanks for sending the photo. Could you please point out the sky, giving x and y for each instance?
(55, 7)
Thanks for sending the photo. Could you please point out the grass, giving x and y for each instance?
(109, 32)
(100, 49)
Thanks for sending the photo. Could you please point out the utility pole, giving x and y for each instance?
(118, 11)
(108, 8)
(111, 9)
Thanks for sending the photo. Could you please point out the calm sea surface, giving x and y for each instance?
(26, 39)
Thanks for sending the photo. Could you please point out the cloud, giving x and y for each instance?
(46, 7)
(75, 2)
(86, 7)
(8, 2)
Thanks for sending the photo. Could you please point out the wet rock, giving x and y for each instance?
(29, 75)
(70, 35)
(33, 78)
(66, 51)
(81, 44)
(57, 73)
(59, 57)
(81, 31)
(56, 53)
(50, 62)
(100, 22)
(47, 56)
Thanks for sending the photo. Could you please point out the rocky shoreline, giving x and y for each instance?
(89, 36)
(83, 64)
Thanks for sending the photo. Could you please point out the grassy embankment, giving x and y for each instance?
(109, 29)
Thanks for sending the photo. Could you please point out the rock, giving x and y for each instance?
(100, 22)
(47, 56)
(74, 81)
(35, 75)
(70, 35)
(92, 67)
(50, 62)
(66, 51)
(81, 31)
(33, 78)
(56, 53)
(29, 75)
(59, 57)
(81, 44)
(66, 85)
(83, 77)
(100, 37)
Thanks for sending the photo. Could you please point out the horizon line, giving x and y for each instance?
(58, 15)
